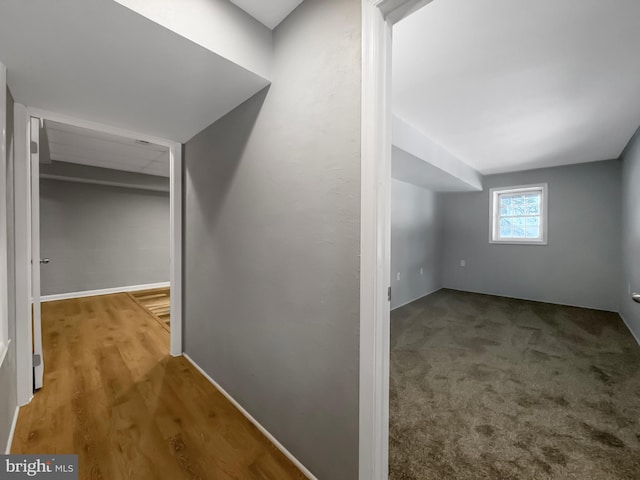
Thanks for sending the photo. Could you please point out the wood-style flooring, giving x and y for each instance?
(157, 302)
(113, 395)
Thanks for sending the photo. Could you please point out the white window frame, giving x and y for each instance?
(4, 285)
(494, 208)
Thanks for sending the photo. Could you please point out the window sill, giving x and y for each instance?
(511, 242)
(4, 348)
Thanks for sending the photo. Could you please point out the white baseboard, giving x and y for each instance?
(104, 291)
(628, 325)
(264, 431)
(12, 431)
(417, 298)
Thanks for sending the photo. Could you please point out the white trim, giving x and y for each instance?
(396, 10)
(417, 298)
(135, 186)
(12, 431)
(257, 424)
(22, 190)
(518, 242)
(101, 127)
(494, 215)
(628, 325)
(375, 232)
(38, 368)
(104, 291)
(375, 236)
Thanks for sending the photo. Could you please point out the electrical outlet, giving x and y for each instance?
(463, 263)
(398, 276)
(421, 271)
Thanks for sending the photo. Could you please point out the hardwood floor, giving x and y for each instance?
(157, 302)
(113, 395)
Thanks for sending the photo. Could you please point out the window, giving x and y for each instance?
(519, 214)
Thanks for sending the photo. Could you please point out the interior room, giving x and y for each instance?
(514, 341)
(104, 217)
(103, 232)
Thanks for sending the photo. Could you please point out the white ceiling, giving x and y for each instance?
(268, 12)
(88, 147)
(98, 60)
(517, 84)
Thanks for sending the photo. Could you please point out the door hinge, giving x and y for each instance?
(34, 147)
(389, 294)
(37, 359)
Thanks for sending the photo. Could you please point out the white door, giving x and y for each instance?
(38, 360)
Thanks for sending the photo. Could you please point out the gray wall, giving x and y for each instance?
(102, 237)
(8, 386)
(272, 239)
(580, 265)
(416, 242)
(629, 310)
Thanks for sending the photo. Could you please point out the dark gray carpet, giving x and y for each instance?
(496, 388)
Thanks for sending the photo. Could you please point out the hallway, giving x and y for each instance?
(113, 395)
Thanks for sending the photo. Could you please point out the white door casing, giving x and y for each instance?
(378, 17)
(38, 359)
(27, 274)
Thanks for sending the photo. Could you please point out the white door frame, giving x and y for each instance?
(378, 17)
(23, 248)
(38, 368)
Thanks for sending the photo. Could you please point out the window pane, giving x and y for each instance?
(505, 222)
(505, 201)
(505, 232)
(532, 232)
(533, 203)
(519, 205)
(504, 211)
(533, 221)
(518, 222)
(518, 232)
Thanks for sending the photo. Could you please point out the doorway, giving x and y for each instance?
(489, 230)
(124, 167)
